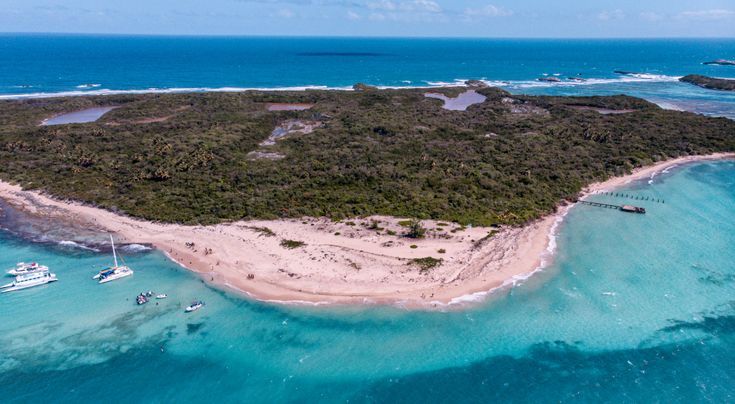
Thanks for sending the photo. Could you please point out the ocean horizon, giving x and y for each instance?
(51, 65)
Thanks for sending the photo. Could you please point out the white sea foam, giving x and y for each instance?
(162, 91)
(667, 105)
(135, 248)
(519, 84)
(74, 244)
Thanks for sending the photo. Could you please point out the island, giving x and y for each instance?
(721, 62)
(376, 195)
(710, 83)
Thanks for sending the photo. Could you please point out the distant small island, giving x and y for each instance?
(721, 62)
(710, 83)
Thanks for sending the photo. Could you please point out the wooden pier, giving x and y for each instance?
(624, 208)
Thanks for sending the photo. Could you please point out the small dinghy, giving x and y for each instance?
(141, 299)
(194, 306)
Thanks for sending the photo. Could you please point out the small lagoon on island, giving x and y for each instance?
(83, 116)
(616, 317)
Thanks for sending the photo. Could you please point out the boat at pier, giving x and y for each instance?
(633, 209)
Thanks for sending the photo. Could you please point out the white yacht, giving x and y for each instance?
(22, 268)
(29, 280)
(114, 272)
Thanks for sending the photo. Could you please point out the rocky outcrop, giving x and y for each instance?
(363, 87)
(476, 84)
(721, 62)
(710, 83)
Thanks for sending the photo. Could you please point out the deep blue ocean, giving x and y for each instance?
(634, 308)
(42, 65)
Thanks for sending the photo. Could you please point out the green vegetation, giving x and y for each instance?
(374, 225)
(380, 152)
(426, 263)
(711, 83)
(479, 243)
(415, 229)
(291, 244)
(263, 231)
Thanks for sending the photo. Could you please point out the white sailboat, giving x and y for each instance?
(29, 280)
(114, 272)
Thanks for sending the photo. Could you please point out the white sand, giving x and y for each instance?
(358, 265)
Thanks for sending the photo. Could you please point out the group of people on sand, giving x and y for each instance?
(191, 245)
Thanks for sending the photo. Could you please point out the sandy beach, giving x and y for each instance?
(363, 260)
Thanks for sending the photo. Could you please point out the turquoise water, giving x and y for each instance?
(635, 308)
(37, 65)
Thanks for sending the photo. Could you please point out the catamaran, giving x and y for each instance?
(22, 268)
(29, 280)
(114, 272)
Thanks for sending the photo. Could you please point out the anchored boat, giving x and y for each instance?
(196, 305)
(22, 268)
(29, 280)
(114, 272)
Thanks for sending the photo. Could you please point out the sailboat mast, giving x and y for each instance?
(114, 255)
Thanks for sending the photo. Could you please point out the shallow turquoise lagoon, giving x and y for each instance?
(634, 308)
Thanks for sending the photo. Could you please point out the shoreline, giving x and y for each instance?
(427, 85)
(347, 262)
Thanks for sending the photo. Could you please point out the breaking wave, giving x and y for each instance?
(510, 84)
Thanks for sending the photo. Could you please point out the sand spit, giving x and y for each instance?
(357, 261)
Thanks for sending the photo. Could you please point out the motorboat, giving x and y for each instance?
(29, 280)
(114, 272)
(22, 268)
(194, 306)
(161, 296)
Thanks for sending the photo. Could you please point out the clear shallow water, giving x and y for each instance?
(635, 308)
(42, 65)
